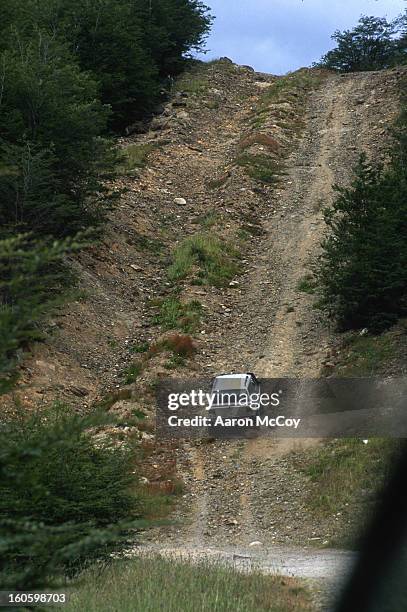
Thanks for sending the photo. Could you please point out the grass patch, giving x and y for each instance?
(290, 92)
(175, 362)
(349, 475)
(307, 284)
(112, 398)
(208, 220)
(292, 87)
(218, 182)
(174, 314)
(132, 372)
(366, 355)
(192, 84)
(151, 584)
(135, 156)
(208, 259)
(261, 167)
(213, 104)
(194, 81)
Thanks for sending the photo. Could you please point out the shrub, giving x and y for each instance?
(133, 372)
(136, 156)
(64, 499)
(362, 270)
(306, 284)
(174, 314)
(213, 258)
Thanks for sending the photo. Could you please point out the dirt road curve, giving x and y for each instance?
(241, 492)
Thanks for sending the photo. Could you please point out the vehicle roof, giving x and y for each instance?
(233, 376)
(231, 381)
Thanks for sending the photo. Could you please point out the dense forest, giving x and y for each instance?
(71, 74)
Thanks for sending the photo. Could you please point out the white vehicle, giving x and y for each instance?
(233, 392)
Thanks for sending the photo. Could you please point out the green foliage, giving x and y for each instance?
(213, 259)
(129, 47)
(306, 284)
(52, 158)
(362, 270)
(65, 499)
(133, 372)
(32, 275)
(174, 314)
(368, 355)
(140, 348)
(373, 44)
(340, 470)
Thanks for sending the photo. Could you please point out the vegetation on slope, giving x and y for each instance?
(66, 496)
(69, 74)
(348, 477)
(362, 271)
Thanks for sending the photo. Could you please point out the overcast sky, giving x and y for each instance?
(280, 35)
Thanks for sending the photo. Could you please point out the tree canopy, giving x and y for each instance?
(373, 44)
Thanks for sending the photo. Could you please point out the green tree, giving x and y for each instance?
(362, 270)
(373, 44)
(53, 159)
(129, 45)
(172, 28)
(65, 499)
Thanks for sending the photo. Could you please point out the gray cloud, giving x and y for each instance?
(280, 35)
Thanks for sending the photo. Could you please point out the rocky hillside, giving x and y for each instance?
(210, 166)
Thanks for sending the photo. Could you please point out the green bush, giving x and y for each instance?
(65, 499)
(214, 259)
(362, 270)
(174, 314)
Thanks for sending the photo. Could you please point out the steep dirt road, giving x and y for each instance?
(244, 492)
